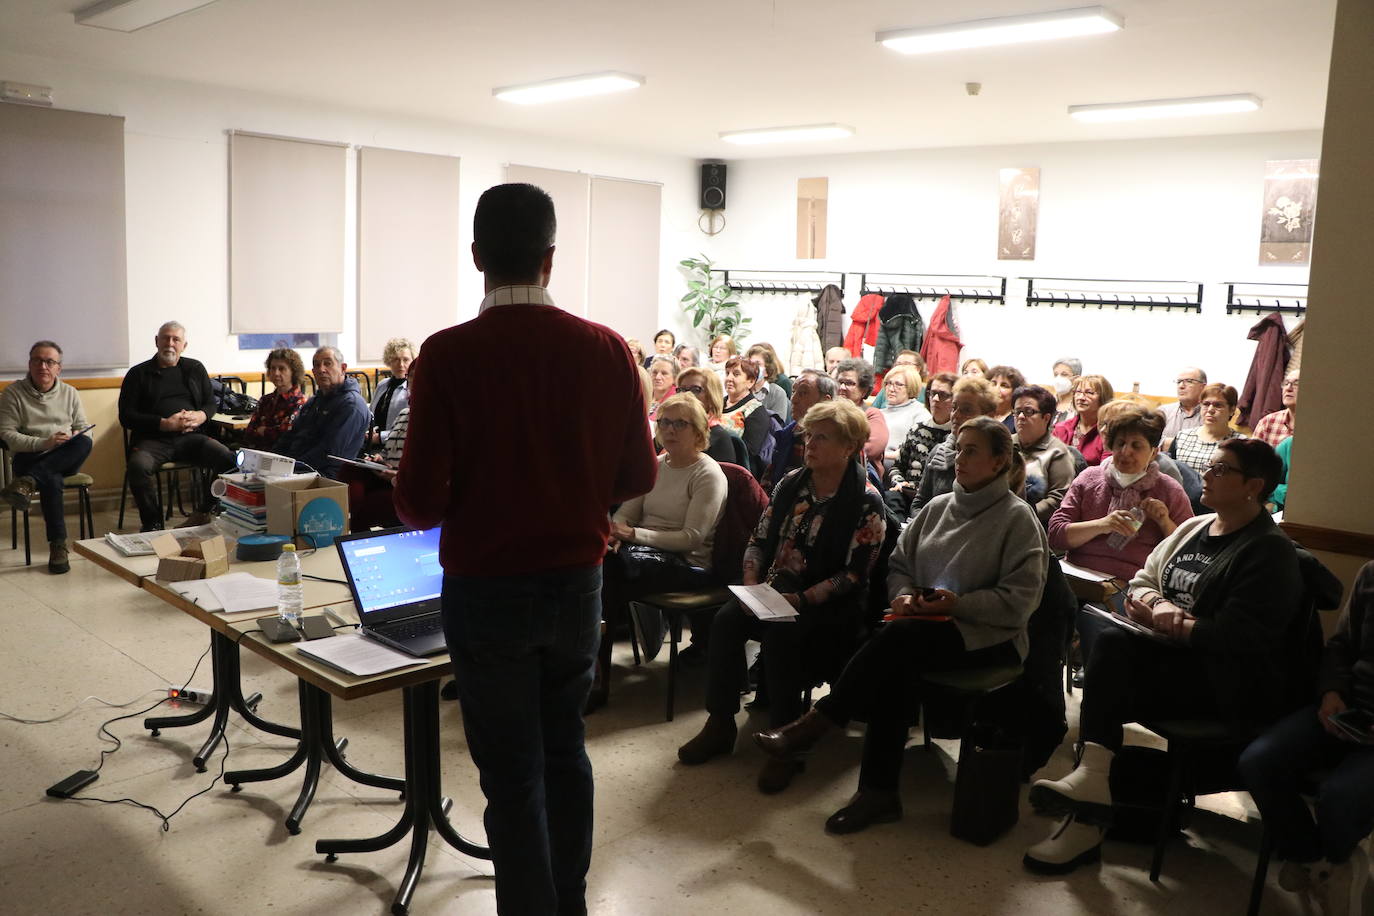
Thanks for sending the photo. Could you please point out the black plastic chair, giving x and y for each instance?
(168, 469)
(80, 482)
(364, 380)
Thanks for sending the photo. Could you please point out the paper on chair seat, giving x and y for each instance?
(764, 602)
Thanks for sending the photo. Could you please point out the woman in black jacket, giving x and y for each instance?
(1217, 598)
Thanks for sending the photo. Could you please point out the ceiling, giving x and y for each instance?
(714, 65)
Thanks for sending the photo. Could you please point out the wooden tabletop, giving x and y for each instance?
(230, 421)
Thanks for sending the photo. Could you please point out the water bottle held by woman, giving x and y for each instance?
(1117, 540)
(289, 598)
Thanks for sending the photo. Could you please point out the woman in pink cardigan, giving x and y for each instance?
(1125, 495)
(1081, 431)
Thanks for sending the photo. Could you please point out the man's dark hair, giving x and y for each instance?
(512, 230)
(1256, 458)
(1045, 401)
(45, 343)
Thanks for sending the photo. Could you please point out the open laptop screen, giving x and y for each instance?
(391, 568)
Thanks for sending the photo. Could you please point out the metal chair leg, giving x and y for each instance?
(1170, 813)
(1266, 850)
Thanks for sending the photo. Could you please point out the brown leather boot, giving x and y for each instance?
(717, 737)
(58, 562)
(795, 737)
(777, 774)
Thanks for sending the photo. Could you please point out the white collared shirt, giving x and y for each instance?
(515, 295)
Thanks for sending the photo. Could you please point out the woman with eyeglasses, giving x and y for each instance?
(1194, 447)
(723, 443)
(745, 412)
(661, 541)
(903, 409)
(973, 397)
(1049, 466)
(1219, 597)
(1080, 431)
(904, 479)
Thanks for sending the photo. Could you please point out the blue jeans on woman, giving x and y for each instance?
(1278, 764)
(524, 650)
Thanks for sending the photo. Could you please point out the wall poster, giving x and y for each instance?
(1290, 203)
(812, 199)
(1019, 206)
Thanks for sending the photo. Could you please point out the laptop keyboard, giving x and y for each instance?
(409, 629)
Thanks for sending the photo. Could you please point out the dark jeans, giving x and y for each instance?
(47, 471)
(1275, 767)
(617, 591)
(523, 654)
(1130, 677)
(149, 453)
(1090, 626)
(784, 648)
(882, 683)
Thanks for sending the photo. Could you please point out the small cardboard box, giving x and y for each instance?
(308, 507)
(197, 560)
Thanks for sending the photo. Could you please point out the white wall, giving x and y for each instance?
(177, 192)
(1185, 208)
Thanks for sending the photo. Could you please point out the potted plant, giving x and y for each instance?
(711, 306)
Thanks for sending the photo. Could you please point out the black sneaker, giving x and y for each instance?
(20, 493)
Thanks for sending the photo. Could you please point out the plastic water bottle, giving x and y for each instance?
(289, 599)
(1117, 540)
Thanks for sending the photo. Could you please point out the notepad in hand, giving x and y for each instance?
(353, 653)
(765, 602)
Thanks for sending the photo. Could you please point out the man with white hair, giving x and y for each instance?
(164, 403)
(333, 422)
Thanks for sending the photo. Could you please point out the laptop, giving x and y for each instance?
(396, 581)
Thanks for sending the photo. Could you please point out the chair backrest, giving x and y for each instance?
(1321, 591)
(744, 505)
(364, 380)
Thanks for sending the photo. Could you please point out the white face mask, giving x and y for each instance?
(1062, 384)
(1124, 480)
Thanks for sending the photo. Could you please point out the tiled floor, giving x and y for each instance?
(670, 839)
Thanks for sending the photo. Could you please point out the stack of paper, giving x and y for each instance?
(765, 602)
(356, 654)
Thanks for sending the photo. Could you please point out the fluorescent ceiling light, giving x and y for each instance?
(568, 87)
(799, 134)
(1165, 108)
(1006, 30)
(132, 15)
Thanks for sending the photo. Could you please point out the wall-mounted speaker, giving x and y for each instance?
(713, 186)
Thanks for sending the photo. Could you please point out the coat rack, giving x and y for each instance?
(1264, 298)
(780, 281)
(965, 287)
(1180, 295)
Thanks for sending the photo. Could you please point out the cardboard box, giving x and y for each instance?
(308, 507)
(197, 560)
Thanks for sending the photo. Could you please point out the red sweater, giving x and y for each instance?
(522, 464)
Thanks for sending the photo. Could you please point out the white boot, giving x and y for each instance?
(1086, 792)
(1070, 845)
(1339, 888)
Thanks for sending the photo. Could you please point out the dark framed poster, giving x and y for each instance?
(1290, 204)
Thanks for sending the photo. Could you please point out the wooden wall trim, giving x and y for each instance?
(1332, 540)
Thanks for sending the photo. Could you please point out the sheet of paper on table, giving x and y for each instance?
(241, 591)
(356, 654)
(765, 602)
(140, 545)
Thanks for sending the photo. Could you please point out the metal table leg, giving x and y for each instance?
(226, 694)
(317, 744)
(425, 805)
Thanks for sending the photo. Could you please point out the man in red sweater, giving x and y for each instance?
(522, 480)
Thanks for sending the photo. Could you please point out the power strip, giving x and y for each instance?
(199, 695)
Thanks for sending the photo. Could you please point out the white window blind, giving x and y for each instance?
(408, 247)
(570, 192)
(623, 260)
(62, 249)
(286, 235)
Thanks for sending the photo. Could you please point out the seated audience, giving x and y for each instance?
(279, 407)
(1285, 452)
(1221, 593)
(854, 378)
(903, 410)
(1194, 446)
(369, 492)
(905, 477)
(1126, 495)
(393, 394)
(43, 425)
(816, 544)
(773, 366)
(164, 402)
(664, 341)
(833, 357)
(1090, 392)
(966, 575)
(661, 541)
(904, 358)
(687, 357)
(662, 376)
(722, 350)
(1189, 479)
(1005, 380)
(637, 351)
(723, 443)
(974, 367)
(766, 371)
(1049, 466)
(973, 397)
(1065, 371)
(745, 414)
(1277, 426)
(811, 388)
(333, 422)
(1320, 850)
(1186, 412)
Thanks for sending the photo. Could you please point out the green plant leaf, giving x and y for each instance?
(695, 284)
(698, 319)
(688, 297)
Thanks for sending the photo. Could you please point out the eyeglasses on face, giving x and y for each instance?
(1290, 383)
(1188, 381)
(1026, 412)
(675, 425)
(936, 394)
(45, 363)
(691, 389)
(1220, 469)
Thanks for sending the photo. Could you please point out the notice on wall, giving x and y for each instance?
(1290, 203)
(1019, 206)
(812, 194)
